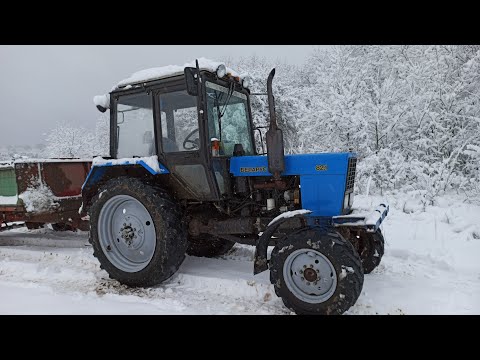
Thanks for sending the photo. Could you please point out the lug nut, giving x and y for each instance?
(304, 266)
(317, 270)
(301, 271)
(303, 279)
(308, 283)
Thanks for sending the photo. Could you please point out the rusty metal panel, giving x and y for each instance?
(64, 178)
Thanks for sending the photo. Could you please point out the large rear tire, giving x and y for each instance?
(316, 273)
(137, 231)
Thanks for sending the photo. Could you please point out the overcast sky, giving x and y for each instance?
(41, 85)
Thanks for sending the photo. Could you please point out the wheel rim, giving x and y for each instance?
(310, 276)
(127, 233)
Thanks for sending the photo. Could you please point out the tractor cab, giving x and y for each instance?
(193, 126)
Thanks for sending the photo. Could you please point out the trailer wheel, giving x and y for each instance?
(33, 225)
(208, 246)
(316, 273)
(62, 227)
(138, 232)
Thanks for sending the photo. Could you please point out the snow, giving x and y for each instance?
(102, 100)
(289, 214)
(369, 219)
(6, 165)
(151, 161)
(35, 161)
(8, 200)
(430, 266)
(38, 199)
(172, 70)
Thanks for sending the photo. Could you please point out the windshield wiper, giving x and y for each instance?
(221, 113)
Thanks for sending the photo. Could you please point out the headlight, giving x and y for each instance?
(221, 71)
(247, 82)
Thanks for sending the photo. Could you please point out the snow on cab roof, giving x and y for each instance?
(171, 70)
(160, 73)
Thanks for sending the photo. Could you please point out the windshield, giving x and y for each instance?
(232, 111)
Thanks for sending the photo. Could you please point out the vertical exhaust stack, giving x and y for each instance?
(275, 147)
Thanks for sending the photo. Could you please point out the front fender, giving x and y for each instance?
(261, 262)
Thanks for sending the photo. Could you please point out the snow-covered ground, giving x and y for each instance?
(431, 266)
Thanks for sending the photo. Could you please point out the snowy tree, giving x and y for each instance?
(410, 112)
(66, 141)
(102, 136)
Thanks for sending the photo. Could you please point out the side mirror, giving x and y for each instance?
(191, 79)
(101, 108)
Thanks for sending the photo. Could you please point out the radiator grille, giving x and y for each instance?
(352, 167)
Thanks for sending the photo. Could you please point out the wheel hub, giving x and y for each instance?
(127, 233)
(310, 275)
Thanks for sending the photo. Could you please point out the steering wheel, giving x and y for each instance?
(195, 143)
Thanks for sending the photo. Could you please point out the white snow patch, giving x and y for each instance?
(38, 198)
(6, 165)
(102, 100)
(151, 161)
(8, 200)
(289, 214)
(32, 160)
(101, 194)
(343, 274)
(282, 250)
(172, 70)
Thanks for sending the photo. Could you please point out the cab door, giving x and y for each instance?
(181, 143)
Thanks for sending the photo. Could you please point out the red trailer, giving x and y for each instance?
(43, 191)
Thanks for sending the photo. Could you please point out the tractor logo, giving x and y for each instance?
(321, 167)
(253, 169)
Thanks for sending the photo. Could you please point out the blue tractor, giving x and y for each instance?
(184, 177)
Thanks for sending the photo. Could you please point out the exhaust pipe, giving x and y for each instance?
(275, 147)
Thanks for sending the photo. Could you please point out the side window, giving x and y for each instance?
(135, 135)
(178, 114)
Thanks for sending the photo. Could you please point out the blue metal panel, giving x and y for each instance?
(97, 171)
(323, 195)
(322, 178)
(299, 164)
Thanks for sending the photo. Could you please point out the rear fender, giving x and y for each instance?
(100, 174)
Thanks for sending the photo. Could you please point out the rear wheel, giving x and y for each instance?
(370, 247)
(137, 232)
(208, 246)
(316, 273)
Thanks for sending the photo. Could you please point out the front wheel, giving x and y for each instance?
(137, 232)
(316, 273)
